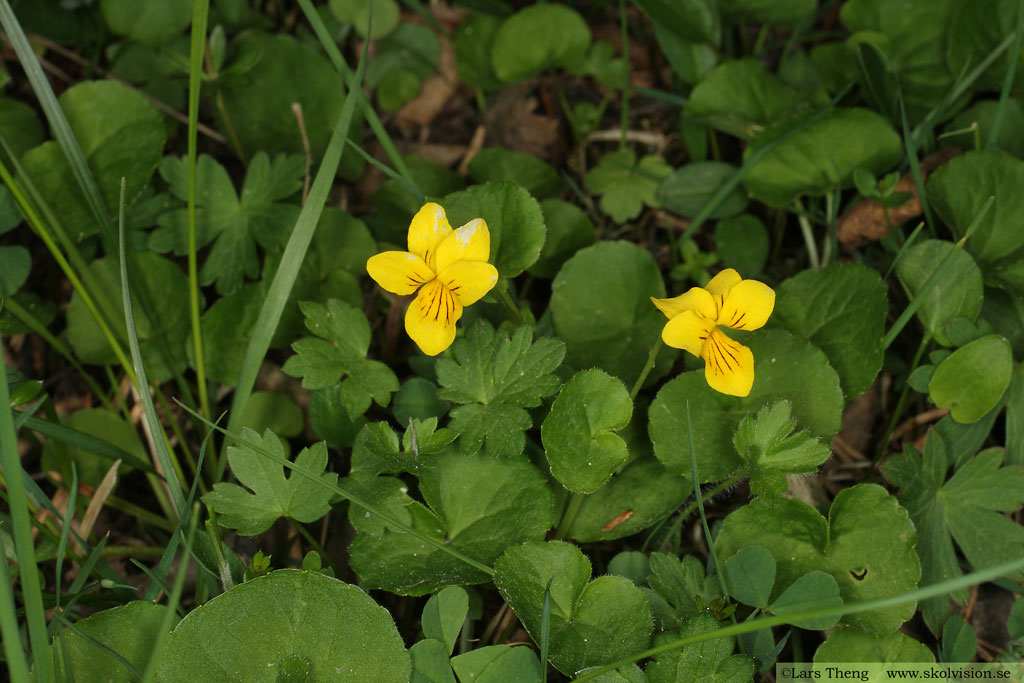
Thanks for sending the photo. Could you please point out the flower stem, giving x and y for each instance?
(805, 228)
(572, 508)
(514, 314)
(647, 369)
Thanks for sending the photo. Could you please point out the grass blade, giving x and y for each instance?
(291, 260)
(700, 509)
(32, 594)
(1004, 95)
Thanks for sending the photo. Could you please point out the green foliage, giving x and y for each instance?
(270, 495)
(957, 293)
(784, 368)
(851, 644)
(494, 376)
(129, 630)
(578, 433)
(972, 379)
(964, 508)
(689, 188)
(147, 22)
(234, 225)
(531, 173)
(383, 13)
(328, 626)
(866, 544)
(742, 243)
(569, 230)
(841, 310)
(740, 98)
(710, 660)
(15, 263)
(626, 185)
(340, 352)
(592, 622)
(771, 450)
(537, 38)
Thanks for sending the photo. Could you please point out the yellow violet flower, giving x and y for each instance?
(694, 319)
(450, 269)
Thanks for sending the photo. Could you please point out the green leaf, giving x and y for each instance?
(162, 340)
(128, 630)
(957, 294)
(601, 309)
(972, 380)
(964, 184)
(15, 263)
(147, 22)
(784, 368)
(982, 114)
(496, 376)
(270, 495)
(261, 628)
(750, 575)
(497, 664)
(473, 40)
(591, 623)
(916, 36)
(821, 156)
(537, 38)
(444, 614)
(395, 203)
(959, 641)
(979, 30)
(867, 545)
(234, 225)
(19, 124)
(689, 188)
(742, 243)
(964, 508)
(785, 13)
(640, 495)
(120, 134)
(385, 15)
(578, 433)
(533, 174)
(417, 398)
(850, 644)
(569, 230)
(471, 499)
(710, 660)
(430, 662)
(274, 411)
(771, 451)
(279, 71)
(813, 590)
(341, 352)
(841, 310)
(625, 185)
(691, 60)
(1015, 419)
(679, 589)
(410, 48)
(514, 221)
(739, 97)
(692, 20)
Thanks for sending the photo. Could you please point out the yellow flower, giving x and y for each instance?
(694, 319)
(450, 269)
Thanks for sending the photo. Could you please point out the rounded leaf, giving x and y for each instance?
(261, 629)
(690, 188)
(957, 294)
(973, 378)
(537, 38)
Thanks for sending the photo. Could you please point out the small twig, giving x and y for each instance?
(652, 138)
(475, 145)
(297, 110)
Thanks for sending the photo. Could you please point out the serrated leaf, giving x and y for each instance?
(625, 185)
(495, 375)
(965, 508)
(679, 589)
(270, 495)
(234, 224)
(771, 451)
(710, 660)
(340, 354)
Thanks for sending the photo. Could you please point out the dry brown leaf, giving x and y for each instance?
(512, 123)
(434, 94)
(866, 221)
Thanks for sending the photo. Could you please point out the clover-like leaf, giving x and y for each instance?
(340, 352)
(495, 376)
(626, 185)
(270, 495)
(234, 224)
(964, 508)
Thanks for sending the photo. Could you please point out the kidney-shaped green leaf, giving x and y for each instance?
(536, 38)
(973, 378)
(287, 619)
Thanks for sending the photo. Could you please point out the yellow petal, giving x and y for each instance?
(728, 365)
(747, 306)
(687, 331)
(429, 226)
(471, 242)
(469, 280)
(697, 300)
(430, 318)
(398, 271)
(720, 285)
